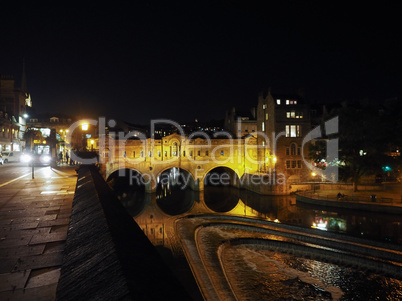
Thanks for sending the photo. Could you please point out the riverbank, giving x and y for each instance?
(370, 200)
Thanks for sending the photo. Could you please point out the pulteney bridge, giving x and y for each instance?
(195, 156)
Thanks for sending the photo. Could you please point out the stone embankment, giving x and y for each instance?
(107, 256)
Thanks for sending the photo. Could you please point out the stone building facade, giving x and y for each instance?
(14, 103)
(282, 123)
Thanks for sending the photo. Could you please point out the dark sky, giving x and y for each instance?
(196, 59)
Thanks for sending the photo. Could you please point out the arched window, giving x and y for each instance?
(175, 149)
(293, 148)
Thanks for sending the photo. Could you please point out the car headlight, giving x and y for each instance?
(26, 158)
(45, 159)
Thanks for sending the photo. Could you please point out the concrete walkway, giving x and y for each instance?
(34, 218)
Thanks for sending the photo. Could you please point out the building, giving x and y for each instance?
(14, 103)
(241, 124)
(282, 123)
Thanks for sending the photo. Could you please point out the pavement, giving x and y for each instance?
(34, 218)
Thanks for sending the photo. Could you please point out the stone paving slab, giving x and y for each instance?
(34, 218)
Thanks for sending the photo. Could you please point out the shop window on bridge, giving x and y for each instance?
(175, 149)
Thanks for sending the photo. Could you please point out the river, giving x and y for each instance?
(255, 272)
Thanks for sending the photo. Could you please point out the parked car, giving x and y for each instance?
(12, 156)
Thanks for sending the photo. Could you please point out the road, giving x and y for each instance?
(14, 171)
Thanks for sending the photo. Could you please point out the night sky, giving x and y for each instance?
(196, 59)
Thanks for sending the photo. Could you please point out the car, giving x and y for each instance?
(11, 156)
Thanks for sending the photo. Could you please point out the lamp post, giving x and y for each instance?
(84, 128)
(313, 174)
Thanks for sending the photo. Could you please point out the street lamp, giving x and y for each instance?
(313, 174)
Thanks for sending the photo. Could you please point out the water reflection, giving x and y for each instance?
(172, 200)
(156, 215)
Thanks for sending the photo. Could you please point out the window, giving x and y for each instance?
(293, 149)
(191, 153)
(293, 163)
(263, 126)
(159, 154)
(287, 163)
(184, 153)
(263, 106)
(266, 116)
(299, 164)
(206, 153)
(199, 153)
(142, 154)
(133, 154)
(287, 101)
(287, 151)
(292, 130)
(294, 114)
(150, 154)
(278, 101)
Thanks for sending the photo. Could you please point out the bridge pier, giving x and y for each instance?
(150, 186)
(197, 185)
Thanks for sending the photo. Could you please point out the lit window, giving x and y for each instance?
(278, 101)
(292, 114)
(287, 101)
(263, 106)
(292, 130)
(294, 164)
(266, 116)
(287, 163)
(263, 126)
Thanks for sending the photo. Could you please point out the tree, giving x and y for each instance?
(362, 142)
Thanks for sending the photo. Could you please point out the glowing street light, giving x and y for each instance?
(84, 126)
